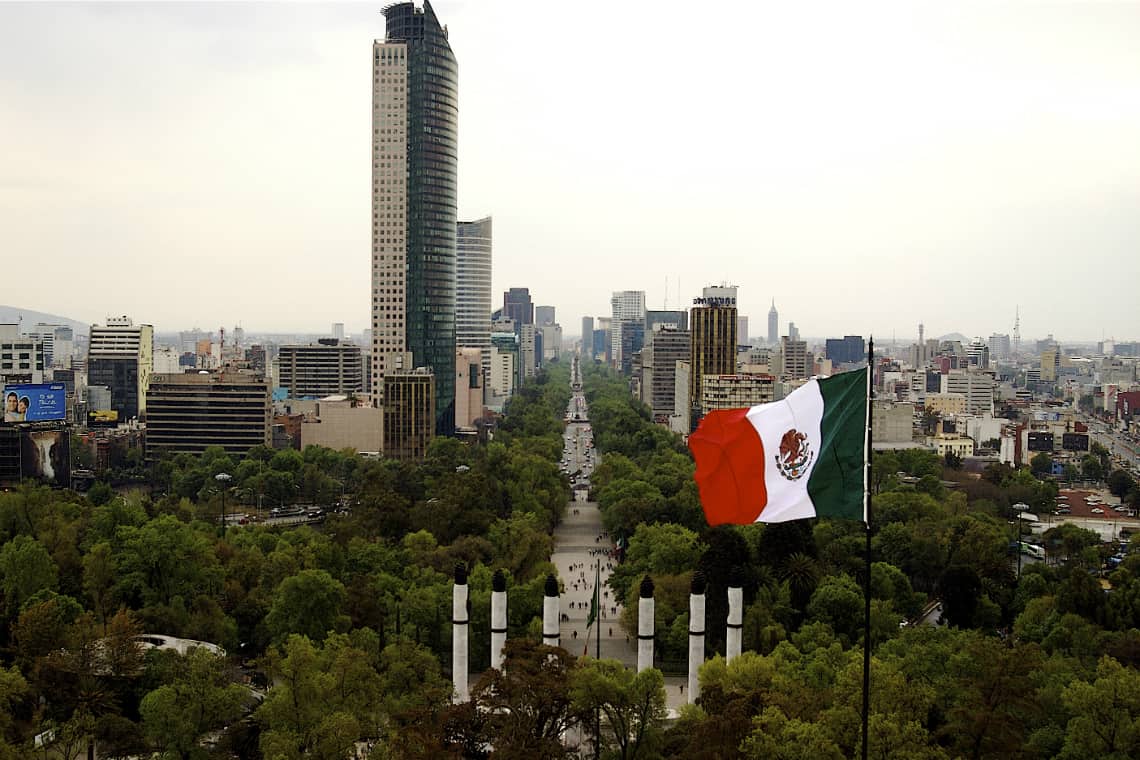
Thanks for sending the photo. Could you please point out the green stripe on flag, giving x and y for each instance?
(836, 485)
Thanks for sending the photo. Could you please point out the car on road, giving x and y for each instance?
(1097, 511)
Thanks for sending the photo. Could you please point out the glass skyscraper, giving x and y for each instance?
(414, 134)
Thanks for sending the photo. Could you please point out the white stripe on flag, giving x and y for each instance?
(801, 410)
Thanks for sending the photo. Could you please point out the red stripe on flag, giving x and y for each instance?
(730, 467)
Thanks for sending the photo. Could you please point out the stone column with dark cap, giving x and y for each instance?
(696, 633)
(498, 618)
(645, 614)
(550, 625)
(735, 614)
(460, 624)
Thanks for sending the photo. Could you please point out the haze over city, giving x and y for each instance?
(867, 167)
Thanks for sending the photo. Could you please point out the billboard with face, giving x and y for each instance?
(35, 402)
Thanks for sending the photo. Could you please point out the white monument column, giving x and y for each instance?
(645, 612)
(550, 627)
(696, 633)
(460, 624)
(735, 615)
(498, 618)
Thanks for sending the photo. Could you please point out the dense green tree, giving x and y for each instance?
(1106, 714)
(308, 603)
(26, 568)
(201, 698)
(632, 705)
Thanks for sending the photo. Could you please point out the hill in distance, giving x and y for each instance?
(13, 315)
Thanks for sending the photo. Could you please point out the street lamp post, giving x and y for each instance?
(223, 479)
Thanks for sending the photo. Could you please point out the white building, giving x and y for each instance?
(473, 287)
(628, 306)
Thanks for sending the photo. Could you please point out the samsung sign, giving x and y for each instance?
(715, 301)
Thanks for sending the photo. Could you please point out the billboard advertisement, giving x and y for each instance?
(46, 455)
(40, 402)
(103, 418)
(1040, 441)
(1075, 442)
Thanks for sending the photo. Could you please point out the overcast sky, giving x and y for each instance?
(869, 166)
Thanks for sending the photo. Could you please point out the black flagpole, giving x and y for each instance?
(867, 573)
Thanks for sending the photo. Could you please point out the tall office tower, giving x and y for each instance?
(120, 356)
(742, 330)
(551, 333)
(773, 325)
(337, 330)
(409, 414)
(473, 287)
(850, 349)
(1000, 347)
(468, 386)
(518, 307)
(543, 315)
(58, 340)
(796, 363)
(664, 347)
(793, 331)
(415, 118)
(713, 350)
(628, 310)
(320, 369)
(186, 413)
(587, 338)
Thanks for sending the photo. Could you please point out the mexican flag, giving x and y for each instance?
(800, 457)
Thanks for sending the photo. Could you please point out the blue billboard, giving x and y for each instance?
(35, 402)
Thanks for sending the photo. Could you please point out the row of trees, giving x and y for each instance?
(1010, 671)
(366, 594)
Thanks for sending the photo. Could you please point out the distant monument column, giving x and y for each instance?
(696, 633)
(498, 618)
(460, 623)
(735, 614)
(550, 630)
(645, 612)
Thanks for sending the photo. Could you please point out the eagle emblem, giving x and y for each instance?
(795, 455)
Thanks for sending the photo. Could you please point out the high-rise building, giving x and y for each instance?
(473, 287)
(850, 349)
(409, 414)
(793, 331)
(713, 350)
(551, 333)
(796, 362)
(773, 325)
(664, 347)
(544, 315)
(518, 306)
(736, 391)
(1000, 347)
(742, 330)
(337, 330)
(415, 118)
(628, 307)
(186, 413)
(588, 338)
(468, 386)
(120, 356)
(320, 369)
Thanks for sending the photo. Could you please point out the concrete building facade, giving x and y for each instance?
(120, 356)
(188, 412)
(473, 286)
(409, 414)
(320, 369)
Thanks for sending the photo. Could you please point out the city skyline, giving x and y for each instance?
(206, 164)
